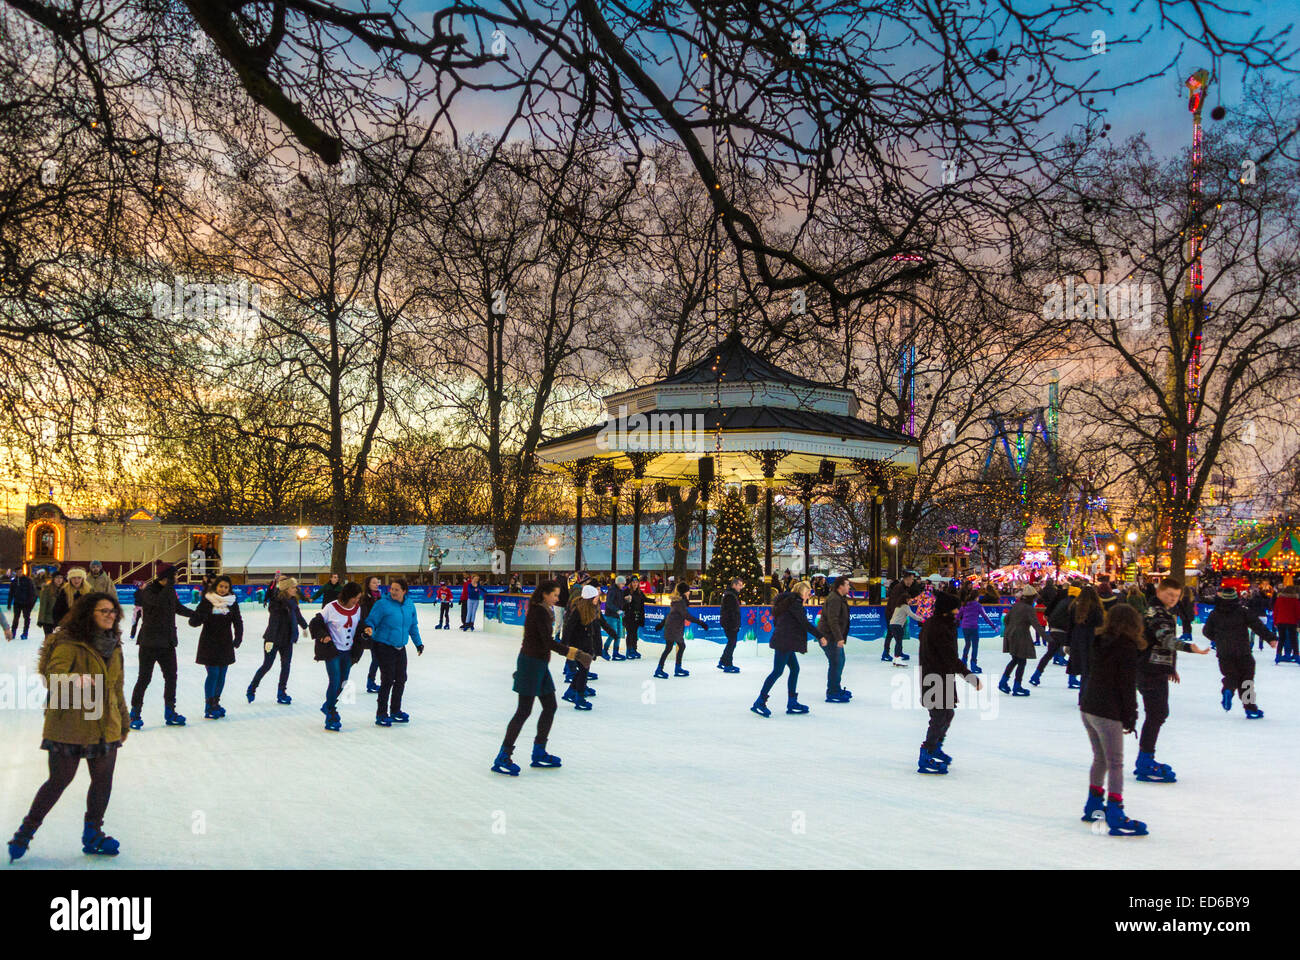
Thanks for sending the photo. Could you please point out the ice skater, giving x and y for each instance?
(729, 620)
(157, 641)
(790, 632)
(898, 611)
(1229, 627)
(220, 634)
(533, 679)
(1058, 603)
(968, 619)
(444, 598)
(1286, 621)
(374, 589)
(1085, 618)
(674, 631)
(611, 618)
(1019, 627)
(339, 650)
(1157, 668)
(634, 617)
(1108, 707)
(22, 598)
(940, 668)
(282, 630)
(85, 717)
(834, 625)
(392, 621)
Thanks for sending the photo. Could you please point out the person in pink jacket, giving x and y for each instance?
(968, 620)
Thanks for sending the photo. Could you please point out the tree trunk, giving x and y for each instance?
(683, 515)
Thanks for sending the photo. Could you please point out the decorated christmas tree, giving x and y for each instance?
(733, 551)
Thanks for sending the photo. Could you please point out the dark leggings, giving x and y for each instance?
(668, 645)
(22, 611)
(522, 711)
(1017, 664)
(285, 650)
(780, 661)
(1055, 642)
(632, 628)
(62, 770)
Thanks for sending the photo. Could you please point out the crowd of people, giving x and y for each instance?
(1116, 643)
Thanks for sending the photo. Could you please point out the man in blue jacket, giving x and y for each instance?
(391, 622)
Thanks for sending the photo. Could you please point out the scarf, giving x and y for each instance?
(104, 642)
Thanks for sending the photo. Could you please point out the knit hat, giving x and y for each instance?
(945, 603)
(168, 572)
(1227, 593)
(589, 592)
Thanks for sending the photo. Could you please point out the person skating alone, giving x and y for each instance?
(339, 650)
(283, 628)
(940, 668)
(673, 627)
(1085, 618)
(834, 625)
(85, 717)
(330, 592)
(533, 679)
(1157, 668)
(157, 641)
(472, 594)
(1019, 627)
(634, 616)
(22, 599)
(220, 634)
(98, 579)
(790, 632)
(729, 620)
(1057, 601)
(1108, 707)
(443, 595)
(968, 620)
(391, 623)
(1229, 626)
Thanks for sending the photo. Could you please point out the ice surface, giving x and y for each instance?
(671, 773)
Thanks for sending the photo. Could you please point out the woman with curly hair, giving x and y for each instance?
(85, 717)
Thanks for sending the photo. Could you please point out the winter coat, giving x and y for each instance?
(790, 626)
(1111, 690)
(674, 625)
(1019, 625)
(1138, 601)
(101, 583)
(1286, 611)
(45, 612)
(160, 607)
(285, 619)
(615, 599)
(394, 623)
(66, 598)
(940, 664)
(22, 591)
(834, 619)
(539, 634)
(899, 594)
(82, 720)
(1160, 658)
(220, 633)
(330, 592)
(1059, 617)
(970, 615)
(584, 636)
(729, 612)
(635, 615)
(1230, 625)
(1081, 636)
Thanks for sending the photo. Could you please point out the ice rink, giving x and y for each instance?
(661, 774)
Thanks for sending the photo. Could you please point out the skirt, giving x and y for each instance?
(82, 751)
(533, 677)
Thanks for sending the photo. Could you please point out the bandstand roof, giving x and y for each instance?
(733, 405)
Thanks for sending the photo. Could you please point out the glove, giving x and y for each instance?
(419, 649)
(237, 643)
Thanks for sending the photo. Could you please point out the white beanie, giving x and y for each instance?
(589, 592)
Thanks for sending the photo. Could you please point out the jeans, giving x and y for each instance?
(1286, 638)
(284, 650)
(972, 646)
(895, 632)
(22, 611)
(444, 615)
(1155, 703)
(471, 611)
(611, 624)
(214, 683)
(780, 661)
(730, 649)
(165, 657)
(834, 666)
(337, 668)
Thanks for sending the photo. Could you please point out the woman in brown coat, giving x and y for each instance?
(85, 716)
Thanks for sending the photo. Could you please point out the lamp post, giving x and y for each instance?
(893, 542)
(1131, 537)
(551, 543)
(303, 533)
(1110, 557)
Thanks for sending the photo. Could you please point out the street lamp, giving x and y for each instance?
(893, 542)
(303, 533)
(551, 544)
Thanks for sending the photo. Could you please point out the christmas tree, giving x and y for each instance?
(734, 553)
